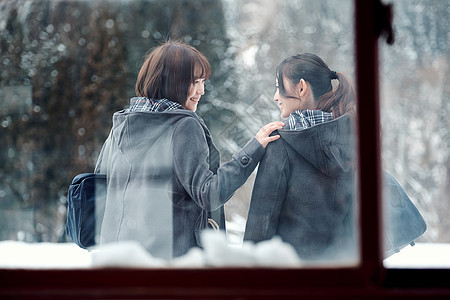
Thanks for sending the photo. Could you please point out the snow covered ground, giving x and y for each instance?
(217, 253)
(422, 255)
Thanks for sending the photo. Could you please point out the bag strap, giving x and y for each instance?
(213, 224)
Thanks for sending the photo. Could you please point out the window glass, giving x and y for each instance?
(67, 66)
(414, 119)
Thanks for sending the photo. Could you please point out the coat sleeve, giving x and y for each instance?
(191, 163)
(269, 192)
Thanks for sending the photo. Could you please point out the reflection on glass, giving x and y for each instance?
(67, 66)
(414, 119)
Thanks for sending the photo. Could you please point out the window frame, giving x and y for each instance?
(369, 278)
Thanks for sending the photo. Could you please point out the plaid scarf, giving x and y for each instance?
(302, 119)
(146, 104)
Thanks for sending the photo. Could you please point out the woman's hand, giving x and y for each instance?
(263, 135)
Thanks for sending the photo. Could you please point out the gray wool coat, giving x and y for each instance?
(164, 180)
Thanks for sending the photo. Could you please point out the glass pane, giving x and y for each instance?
(67, 66)
(414, 118)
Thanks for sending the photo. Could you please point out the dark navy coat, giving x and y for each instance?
(304, 191)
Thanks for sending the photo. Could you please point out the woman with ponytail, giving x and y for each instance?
(304, 188)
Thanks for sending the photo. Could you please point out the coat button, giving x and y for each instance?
(244, 160)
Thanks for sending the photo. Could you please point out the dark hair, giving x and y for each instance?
(169, 70)
(315, 71)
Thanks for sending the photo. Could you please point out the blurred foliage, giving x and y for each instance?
(67, 66)
(415, 93)
(71, 65)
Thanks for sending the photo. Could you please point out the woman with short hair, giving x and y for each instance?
(163, 173)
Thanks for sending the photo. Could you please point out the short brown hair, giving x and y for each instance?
(169, 70)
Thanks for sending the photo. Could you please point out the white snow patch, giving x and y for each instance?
(124, 254)
(19, 255)
(422, 255)
(217, 252)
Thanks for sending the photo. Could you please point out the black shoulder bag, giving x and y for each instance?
(83, 215)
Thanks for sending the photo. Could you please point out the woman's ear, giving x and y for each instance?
(302, 88)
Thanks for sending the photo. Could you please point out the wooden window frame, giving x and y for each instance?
(369, 279)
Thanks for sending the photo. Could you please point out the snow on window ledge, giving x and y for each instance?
(217, 253)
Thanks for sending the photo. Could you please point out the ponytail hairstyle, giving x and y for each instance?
(316, 72)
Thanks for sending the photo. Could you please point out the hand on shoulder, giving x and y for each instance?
(263, 135)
